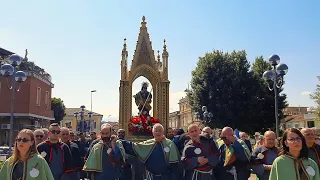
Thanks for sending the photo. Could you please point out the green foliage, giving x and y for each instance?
(58, 108)
(231, 91)
(316, 97)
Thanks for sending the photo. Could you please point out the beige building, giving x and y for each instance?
(71, 122)
(183, 117)
(300, 117)
(295, 110)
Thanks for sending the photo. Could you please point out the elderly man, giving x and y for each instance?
(234, 158)
(244, 137)
(313, 147)
(46, 133)
(159, 154)
(199, 156)
(206, 132)
(39, 136)
(105, 158)
(263, 156)
(65, 138)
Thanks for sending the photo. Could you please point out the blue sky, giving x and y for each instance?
(79, 42)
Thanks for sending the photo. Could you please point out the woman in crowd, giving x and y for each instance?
(293, 162)
(25, 162)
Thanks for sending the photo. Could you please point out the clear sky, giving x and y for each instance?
(79, 42)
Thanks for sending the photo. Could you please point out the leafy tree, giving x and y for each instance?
(233, 92)
(316, 97)
(58, 108)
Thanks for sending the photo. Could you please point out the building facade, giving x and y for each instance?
(183, 117)
(32, 103)
(70, 121)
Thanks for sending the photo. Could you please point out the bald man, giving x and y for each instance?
(206, 132)
(235, 157)
(200, 155)
(160, 155)
(313, 147)
(263, 156)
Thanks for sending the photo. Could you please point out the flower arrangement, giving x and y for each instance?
(142, 124)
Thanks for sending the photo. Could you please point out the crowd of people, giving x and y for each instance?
(57, 153)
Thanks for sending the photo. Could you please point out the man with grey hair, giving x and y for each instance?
(39, 136)
(160, 155)
(46, 133)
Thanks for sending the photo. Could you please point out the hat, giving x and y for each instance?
(257, 134)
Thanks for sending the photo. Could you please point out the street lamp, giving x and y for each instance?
(274, 80)
(91, 97)
(10, 70)
(81, 113)
(207, 116)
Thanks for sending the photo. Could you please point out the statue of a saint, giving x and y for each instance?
(143, 99)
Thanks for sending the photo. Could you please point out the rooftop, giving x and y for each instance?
(70, 111)
(27, 66)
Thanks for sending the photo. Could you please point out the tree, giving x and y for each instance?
(58, 108)
(316, 97)
(233, 92)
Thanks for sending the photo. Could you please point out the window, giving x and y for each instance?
(47, 100)
(289, 125)
(297, 125)
(310, 124)
(38, 96)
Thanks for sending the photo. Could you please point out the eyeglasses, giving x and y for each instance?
(65, 134)
(24, 140)
(295, 140)
(55, 131)
(39, 136)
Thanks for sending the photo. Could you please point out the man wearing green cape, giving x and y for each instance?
(105, 158)
(159, 154)
(234, 158)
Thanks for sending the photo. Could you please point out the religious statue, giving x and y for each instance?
(143, 100)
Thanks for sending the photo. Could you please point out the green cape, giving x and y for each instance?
(283, 167)
(35, 162)
(144, 149)
(230, 151)
(94, 161)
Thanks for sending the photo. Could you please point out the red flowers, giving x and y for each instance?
(142, 123)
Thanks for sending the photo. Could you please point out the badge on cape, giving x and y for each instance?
(34, 172)
(43, 154)
(260, 156)
(166, 149)
(109, 150)
(311, 171)
(197, 151)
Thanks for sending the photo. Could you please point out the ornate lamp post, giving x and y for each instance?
(275, 81)
(81, 113)
(10, 70)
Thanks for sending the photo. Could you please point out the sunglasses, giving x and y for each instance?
(223, 138)
(55, 131)
(24, 140)
(39, 136)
